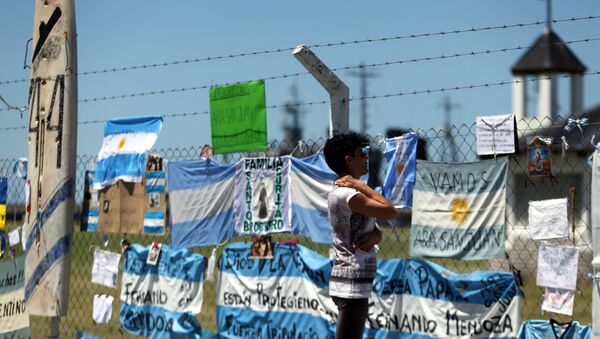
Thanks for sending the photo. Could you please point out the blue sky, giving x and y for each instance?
(127, 33)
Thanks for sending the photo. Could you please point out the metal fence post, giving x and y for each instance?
(339, 109)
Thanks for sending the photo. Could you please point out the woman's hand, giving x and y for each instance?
(350, 182)
(367, 241)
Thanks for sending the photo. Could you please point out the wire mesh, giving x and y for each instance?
(458, 144)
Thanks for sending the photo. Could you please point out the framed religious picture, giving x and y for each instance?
(262, 247)
(539, 157)
(206, 152)
(154, 163)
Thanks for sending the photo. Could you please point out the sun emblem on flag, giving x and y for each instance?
(121, 143)
(459, 210)
(400, 168)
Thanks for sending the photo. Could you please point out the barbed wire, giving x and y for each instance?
(317, 45)
(369, 97)
(386, 63)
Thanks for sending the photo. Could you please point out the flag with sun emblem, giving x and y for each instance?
(401, 156)
(458, 210)
(122, 156)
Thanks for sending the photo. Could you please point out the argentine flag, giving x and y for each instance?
(311, 181)
(201, 194)
(401, 155)
(122, 156)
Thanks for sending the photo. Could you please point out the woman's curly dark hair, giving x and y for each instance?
(337, 148)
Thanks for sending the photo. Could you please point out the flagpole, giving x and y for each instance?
(52, 145)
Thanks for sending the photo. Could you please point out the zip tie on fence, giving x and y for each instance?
(595, 148)
(564, 147)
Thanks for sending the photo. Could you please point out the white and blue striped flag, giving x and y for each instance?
(458, 210)
(401, 156)
(201, 202)
(161, 301)
(311, 180)
(283, 297)
(122, 156)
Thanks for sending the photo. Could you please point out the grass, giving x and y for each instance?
(394, 245)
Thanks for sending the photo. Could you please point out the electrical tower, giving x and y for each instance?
(363, 74)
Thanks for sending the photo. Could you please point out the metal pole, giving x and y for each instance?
(339, 109)
(595, 222)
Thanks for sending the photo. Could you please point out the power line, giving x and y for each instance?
(318, 45)
(360, 66)
(370, 97)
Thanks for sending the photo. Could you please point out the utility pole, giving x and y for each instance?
(447, 105)
(52, 146)
(339, 107)
(293, 132)
(364, 75)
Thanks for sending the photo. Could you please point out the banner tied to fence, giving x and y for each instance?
(288, 297)
(14, 320)
(283, 297)
(401, 156)
(159, 301)
(458, 210)
(262, 195)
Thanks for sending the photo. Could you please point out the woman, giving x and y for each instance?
(353, 207)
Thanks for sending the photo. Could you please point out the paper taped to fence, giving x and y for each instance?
(495, 134)
(399, 182)
(425, 300)
(122, 156)
(105, 268)
(458, 210)
(102, 311)
(548, 219)
(14, 321)
(262, 195)
(283, 297)
(557, 266)
(159, 301)
(310, 183)
(201, 202)
(558, 300)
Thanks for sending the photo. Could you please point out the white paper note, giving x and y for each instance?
(13, 237)
(102, 308)
(558, 301)
(548, 219)
(105, 270)
(557, 266)
(495, 134)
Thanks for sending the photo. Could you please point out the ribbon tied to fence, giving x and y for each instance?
(572, 123)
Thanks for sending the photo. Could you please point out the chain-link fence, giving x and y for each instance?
(569, 166)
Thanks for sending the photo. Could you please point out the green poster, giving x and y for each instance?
(238, 117)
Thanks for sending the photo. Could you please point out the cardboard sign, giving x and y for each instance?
(14, 321)
(122, 208)
(238, 117)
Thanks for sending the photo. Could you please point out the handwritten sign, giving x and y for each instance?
(158, 301)
(557, 266)
(283, 297)
(495, 134)
(105, 269)
(420, 298)
(458, 210)
(238, 117)
(14, 321)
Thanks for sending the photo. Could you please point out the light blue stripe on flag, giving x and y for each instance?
(190, 266)
(155, 182)
(150, 124)
(111, 169)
